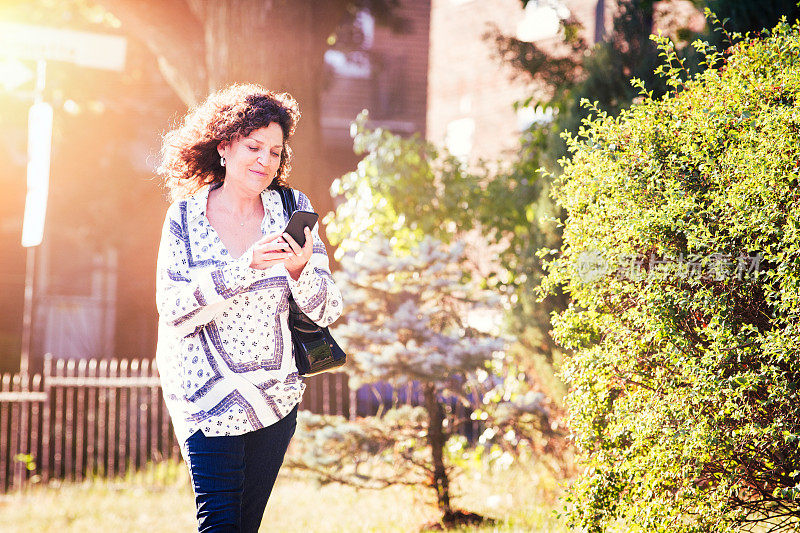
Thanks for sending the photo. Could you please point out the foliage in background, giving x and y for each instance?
(584, 70)
(514, 206)
(682, 258)
(408, 190)
(418, 311)
(516, 217)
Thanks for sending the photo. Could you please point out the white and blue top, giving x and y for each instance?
(224, 348)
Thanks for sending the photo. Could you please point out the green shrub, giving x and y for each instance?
(681, 256)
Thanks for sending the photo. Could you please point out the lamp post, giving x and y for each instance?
(41, 43)
(40, 134)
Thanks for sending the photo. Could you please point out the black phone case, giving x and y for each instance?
(298, 221)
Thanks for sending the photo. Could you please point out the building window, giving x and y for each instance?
(349, 55)
(459, 137)
(389, 86)
(541, 20)
(528, 116)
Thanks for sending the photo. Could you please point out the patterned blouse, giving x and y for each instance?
(224, 349)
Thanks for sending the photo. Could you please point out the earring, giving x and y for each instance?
(222, 161)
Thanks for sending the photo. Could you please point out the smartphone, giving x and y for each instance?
(297, 224)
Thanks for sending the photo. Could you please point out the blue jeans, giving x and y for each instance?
(233, 476)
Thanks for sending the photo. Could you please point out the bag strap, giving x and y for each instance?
(288, 201)
(289, 207)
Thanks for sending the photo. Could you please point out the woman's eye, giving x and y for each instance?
(253, 148)
(278, 154)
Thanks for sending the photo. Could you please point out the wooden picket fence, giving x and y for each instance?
(104, 418)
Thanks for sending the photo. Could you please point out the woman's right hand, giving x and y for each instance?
(269, 251)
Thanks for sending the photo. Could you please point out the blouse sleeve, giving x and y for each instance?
(314, 291)
(191, 293)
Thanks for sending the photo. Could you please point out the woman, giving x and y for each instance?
(225, 271)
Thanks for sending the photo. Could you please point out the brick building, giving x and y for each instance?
(470, 92)
(387, 74)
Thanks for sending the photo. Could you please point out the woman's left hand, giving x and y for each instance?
(299, 256)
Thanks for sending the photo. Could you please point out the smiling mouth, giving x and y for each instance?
(259, 173)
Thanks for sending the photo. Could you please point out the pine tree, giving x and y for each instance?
(411, 294)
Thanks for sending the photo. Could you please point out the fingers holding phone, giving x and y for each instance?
(299, 255)
(269, 251)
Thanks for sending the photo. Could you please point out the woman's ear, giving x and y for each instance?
(221, 148)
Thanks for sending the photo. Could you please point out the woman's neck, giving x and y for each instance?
(235, 201)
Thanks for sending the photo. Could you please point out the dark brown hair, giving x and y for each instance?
(189, 157)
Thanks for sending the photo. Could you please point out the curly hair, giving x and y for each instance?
(189, 157)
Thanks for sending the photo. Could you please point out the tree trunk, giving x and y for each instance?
(437, 440)
(279, 44)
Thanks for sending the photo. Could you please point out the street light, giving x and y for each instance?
(23, 41)
(40, 130)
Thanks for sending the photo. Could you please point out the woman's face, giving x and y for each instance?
(251, 162)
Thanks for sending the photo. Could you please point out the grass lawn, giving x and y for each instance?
(521, 498)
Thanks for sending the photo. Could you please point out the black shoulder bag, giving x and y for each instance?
(315, 351)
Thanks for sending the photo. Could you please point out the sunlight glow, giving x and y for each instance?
(13, 74)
